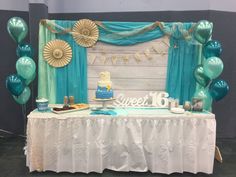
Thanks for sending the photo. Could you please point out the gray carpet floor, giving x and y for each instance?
(12, 163)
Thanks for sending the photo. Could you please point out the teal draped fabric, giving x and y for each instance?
(128, 33)
(72, 79)
(46, 73)
(182, 60)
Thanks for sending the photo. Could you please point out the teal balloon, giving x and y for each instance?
(17, 29)
(213, 67)
(200, 77)
(219, 89)
(28, 81)
(204, 94)
(23, 97)
(15, 84)
(25, 67)
(24, 50)
(203, 31)
(212, 49)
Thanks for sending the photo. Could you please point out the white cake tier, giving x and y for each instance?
(104, 83)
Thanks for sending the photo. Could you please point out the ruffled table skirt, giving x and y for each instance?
(161, 143)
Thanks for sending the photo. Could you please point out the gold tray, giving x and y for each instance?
(76, 106)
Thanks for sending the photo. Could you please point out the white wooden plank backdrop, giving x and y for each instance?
(132, 78)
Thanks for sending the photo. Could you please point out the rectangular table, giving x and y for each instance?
(133, 140)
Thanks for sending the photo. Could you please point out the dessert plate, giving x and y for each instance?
(177, 110)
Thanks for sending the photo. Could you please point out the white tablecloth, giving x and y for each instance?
(134, 140)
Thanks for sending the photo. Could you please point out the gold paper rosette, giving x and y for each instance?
(57, 53)
(85, 32)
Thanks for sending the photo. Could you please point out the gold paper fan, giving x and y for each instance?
(57, 53)
(85, 32)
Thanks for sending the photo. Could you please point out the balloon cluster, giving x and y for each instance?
(18, 83)
(211, 67)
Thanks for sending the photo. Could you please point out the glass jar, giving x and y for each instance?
(71, 100)
(187, 106)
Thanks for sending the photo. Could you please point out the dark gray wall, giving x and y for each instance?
(11, 113)
(11, 117)
(225, 110)
(166, 16)
(224, 29)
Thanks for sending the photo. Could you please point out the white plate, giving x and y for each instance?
(100, 99)
(177, 110)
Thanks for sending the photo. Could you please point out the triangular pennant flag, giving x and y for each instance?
(148, 54)
(92, 59)
(102, 59)
(114, 59)
(126, 59)
(137, 57)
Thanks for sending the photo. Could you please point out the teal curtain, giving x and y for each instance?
(182, 60)
(72, 79)
(46, 73)
(128, 33)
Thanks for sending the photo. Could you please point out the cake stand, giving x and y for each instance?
(104, 103)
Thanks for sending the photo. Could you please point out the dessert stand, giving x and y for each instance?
(104, 103)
